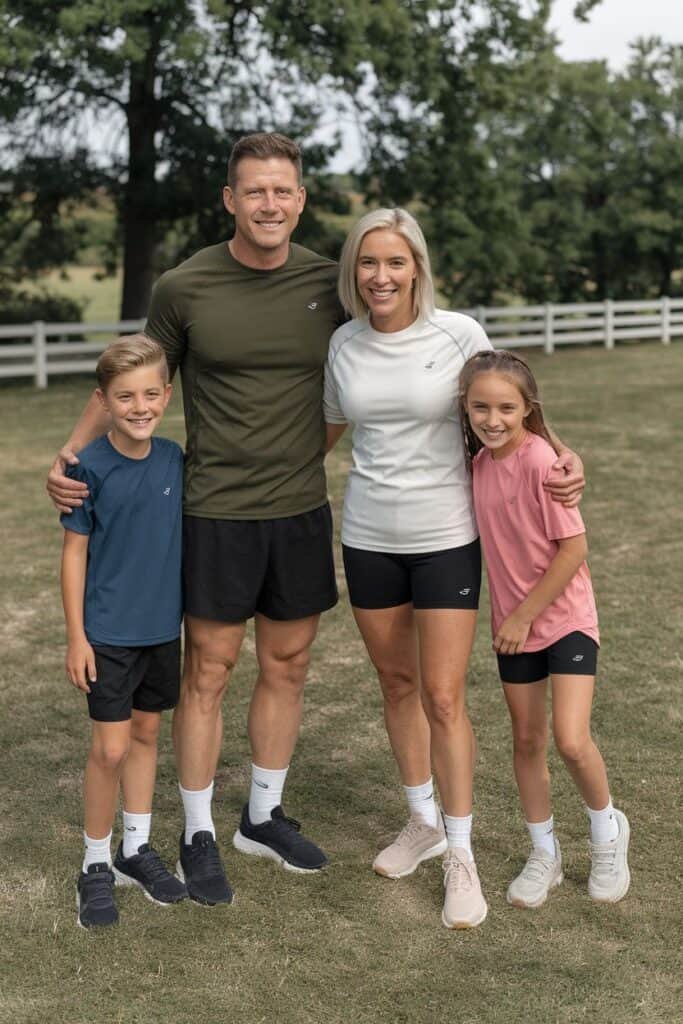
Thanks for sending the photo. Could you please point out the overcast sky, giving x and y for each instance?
(613, 25)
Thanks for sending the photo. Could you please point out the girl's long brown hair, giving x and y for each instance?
(511, 366)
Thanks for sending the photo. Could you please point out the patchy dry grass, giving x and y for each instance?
(346, 946)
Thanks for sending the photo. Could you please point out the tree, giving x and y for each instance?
(182, 78)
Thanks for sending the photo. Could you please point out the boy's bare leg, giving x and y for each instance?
(138, 774)
(108, 751)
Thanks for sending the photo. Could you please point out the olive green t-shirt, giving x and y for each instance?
(251, 346)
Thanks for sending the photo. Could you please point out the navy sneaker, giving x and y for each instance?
(95, 897)
(201, 869)
(147, 870)
(281, 840)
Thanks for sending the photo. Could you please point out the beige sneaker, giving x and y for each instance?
(610, 878)
(540, 874)
(464, 905)
(416, 842)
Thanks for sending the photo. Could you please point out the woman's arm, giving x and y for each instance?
(568, 485)
(80, 657)
(512, 634)
(334, 432)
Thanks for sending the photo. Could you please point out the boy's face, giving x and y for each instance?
(136, 401)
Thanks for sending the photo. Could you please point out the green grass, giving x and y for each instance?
(346, 946)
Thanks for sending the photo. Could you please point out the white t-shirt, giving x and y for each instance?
(408, 490)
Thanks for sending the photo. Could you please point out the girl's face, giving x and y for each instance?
(496, 409)
(385, 273)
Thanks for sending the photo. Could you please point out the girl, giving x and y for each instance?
(543, 618)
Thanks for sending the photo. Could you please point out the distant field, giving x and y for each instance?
(102, 297)
(347, 947)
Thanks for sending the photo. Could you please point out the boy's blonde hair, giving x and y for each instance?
(400, 222)
(129, 353)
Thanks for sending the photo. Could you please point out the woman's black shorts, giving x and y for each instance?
(433, 579)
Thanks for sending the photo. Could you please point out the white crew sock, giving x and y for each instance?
(197, 807)
(604, 826)
(459, 832)
(136, 829)
(542, 835)
(97, 851)
(266, 792)
(421, 802)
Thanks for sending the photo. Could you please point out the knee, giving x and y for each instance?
(205, 678)
(109, 755)
(444, 705)
(145, 730)
(572, 747)
(285, 670)
(397, 683)
(529, 742)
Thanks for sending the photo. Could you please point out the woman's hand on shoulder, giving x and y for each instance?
(567, 482)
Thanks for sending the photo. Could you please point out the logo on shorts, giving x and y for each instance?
(167, 490)
(578, 657)
(464, 592)
(312, 305)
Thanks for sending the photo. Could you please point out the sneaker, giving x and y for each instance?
(464, 905)
(95, 897)
(540, 874)
(610, 877)
(201, 869)
(416, 842)
(147, 870)
(280, 840)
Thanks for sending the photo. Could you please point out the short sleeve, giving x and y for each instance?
(81, 519)
(332, 410)
(164, 322)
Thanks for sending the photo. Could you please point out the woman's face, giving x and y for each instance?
(385, 275)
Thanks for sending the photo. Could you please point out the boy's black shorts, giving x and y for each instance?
(573, 655)
(281, 568)
(144, 678)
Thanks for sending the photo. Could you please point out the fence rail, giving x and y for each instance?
(28, 350)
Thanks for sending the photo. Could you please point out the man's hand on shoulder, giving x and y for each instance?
(567, 482)
(65, 493)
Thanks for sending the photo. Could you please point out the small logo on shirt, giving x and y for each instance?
(312, 305)
(464, 592)
(167, 490)
(578, 657)
(430, 365)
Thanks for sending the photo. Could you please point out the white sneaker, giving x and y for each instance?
(610, 877)
(464, 905)
(541, 873)
(416, 842)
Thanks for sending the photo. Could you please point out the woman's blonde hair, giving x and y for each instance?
(516, 370)
(128, 353)
(401, 223)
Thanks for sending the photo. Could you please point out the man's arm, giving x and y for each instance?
(568, 485)
(80, 657)
(64, 492)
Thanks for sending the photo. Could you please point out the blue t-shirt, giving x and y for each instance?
(132, 517)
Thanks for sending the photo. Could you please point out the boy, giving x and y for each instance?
(122, 604)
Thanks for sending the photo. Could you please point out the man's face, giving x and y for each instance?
(266, 203)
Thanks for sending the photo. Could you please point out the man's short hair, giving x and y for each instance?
(401, 223)
(263, 146)
(129, 353)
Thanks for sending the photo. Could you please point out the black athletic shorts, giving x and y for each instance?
(574, 655)
(144, 678)
(281, 568)
(434, 579)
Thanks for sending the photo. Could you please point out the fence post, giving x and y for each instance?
(666, 320)
(548, 340)
(40, 354)
(609, 323)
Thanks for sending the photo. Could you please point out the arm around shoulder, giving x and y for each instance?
(65, 492)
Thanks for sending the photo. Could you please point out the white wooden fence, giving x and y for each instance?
(548, 326)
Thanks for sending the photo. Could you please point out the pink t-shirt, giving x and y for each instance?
(520, 525)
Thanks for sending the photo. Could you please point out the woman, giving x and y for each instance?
(410, 543)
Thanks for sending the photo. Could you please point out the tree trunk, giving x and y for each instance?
(139, 214)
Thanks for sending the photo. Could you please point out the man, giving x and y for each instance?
(247, 323)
